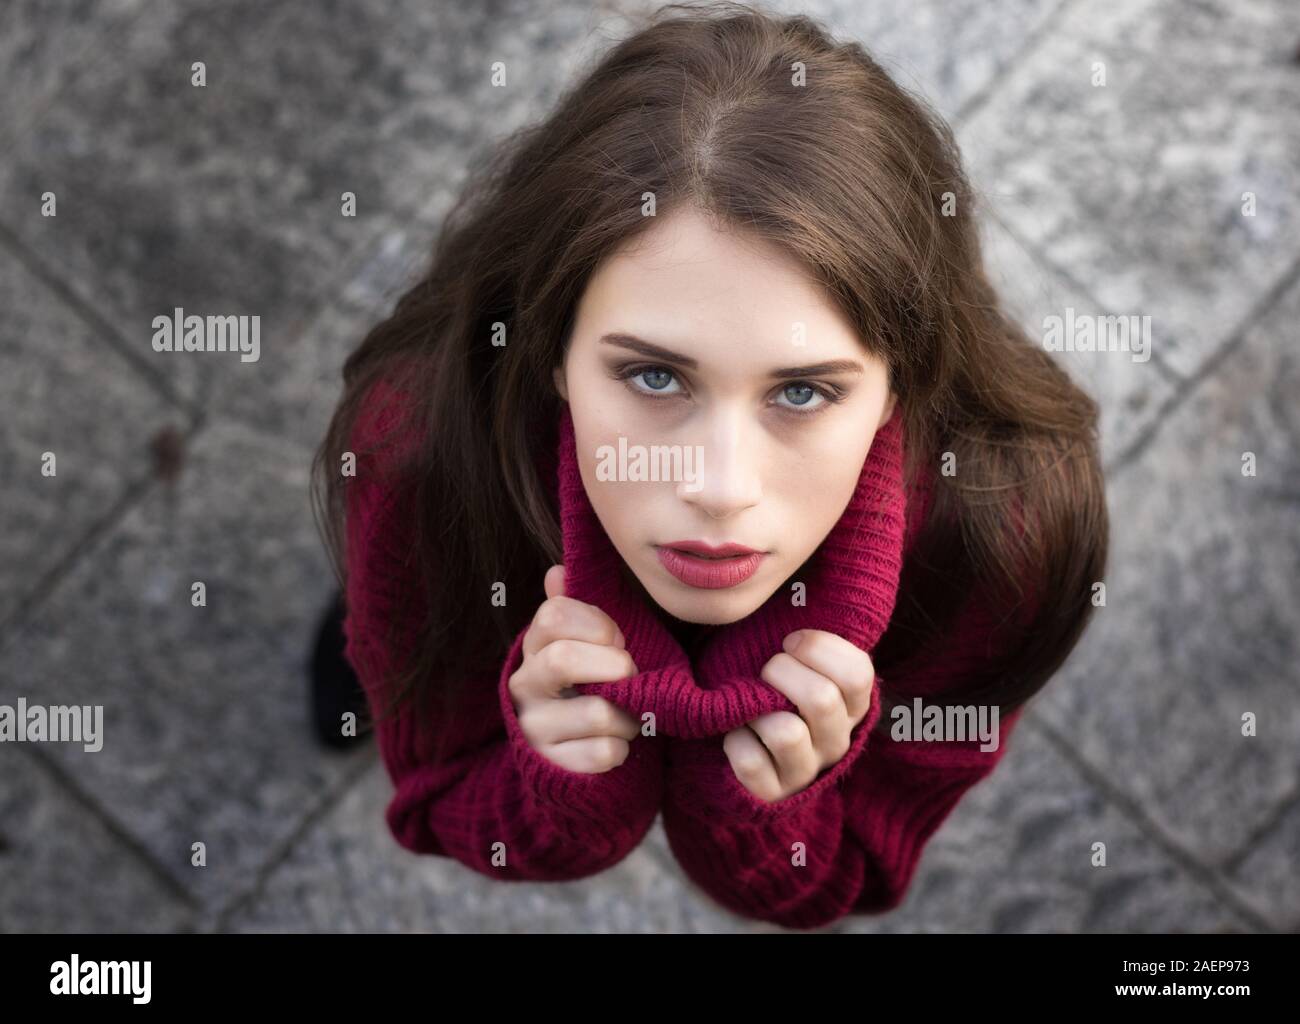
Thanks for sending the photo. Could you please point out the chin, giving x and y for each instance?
(707, 607)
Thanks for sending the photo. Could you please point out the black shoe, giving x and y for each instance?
(335, 689)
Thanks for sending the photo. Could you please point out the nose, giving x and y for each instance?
(726, 478)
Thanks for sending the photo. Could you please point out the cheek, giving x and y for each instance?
(623, 507)
(813, 499)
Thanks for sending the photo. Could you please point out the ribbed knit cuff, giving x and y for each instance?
(894, 820)
(704, 785)
(626, 791)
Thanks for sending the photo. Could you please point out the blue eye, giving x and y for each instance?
(805, 392)
(801, 397)
(656, 379)
(647, 380)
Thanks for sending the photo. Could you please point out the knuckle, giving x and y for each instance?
(544, 617)
(526, 725)
(777, 665)
(747, 763)
(814, 642)
(555, 657)
(519, 697)
(855, 687)
(825, 701)
(601, 717)
(611, 751)
(743, 758)
(552, 614)
(787, 731)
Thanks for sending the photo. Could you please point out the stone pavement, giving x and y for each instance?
(1124, 198)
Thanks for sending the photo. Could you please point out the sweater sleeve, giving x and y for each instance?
(488, 799)
(851, 841)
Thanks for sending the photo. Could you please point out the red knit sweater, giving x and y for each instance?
(849, 842)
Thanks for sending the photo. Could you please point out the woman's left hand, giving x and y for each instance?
(829, 680)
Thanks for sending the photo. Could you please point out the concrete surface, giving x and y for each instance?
(1121, 199)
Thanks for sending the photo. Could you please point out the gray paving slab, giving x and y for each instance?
(947, 51)
(1125, 197)
(62, 869)
(349, 874)
(1136, 186)
(1268, 867)
(42, 43)
(68, 393)
(1131, 393)
(1017, 855)
(206, 730)
(227, 199)
(1203, 594)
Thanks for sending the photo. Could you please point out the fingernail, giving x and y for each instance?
(620, 641)
(793, 640)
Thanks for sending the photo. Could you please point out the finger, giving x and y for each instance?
(566, 618)
(563, 663)
(845, 664)
(819, 700)
(586, 715)
(787, 739)
(553, 581)
(590, 756)
(752, 763)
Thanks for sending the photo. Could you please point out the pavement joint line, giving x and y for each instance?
(1043, 257)
(1235, 859)
(351, 260)
(1115, 462)
(1132, 810)
(1033, 250)
(67, 784)
(34, 599)
(976, 101)
(136, 491)
(350, 778)
(99, 324)
(1209, 366)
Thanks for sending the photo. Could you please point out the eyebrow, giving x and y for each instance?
(651, 351)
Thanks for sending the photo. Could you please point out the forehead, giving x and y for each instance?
(686, 284)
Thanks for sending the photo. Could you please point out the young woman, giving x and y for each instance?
(701, 467)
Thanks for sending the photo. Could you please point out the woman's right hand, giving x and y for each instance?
(568, 642)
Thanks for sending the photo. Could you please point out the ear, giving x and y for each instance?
(557, 375)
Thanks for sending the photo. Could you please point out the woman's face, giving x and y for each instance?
(745, 397)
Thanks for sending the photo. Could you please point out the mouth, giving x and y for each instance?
(709, 567)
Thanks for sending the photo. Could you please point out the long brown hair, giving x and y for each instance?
(768, 125)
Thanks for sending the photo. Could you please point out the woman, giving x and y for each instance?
(699, 462)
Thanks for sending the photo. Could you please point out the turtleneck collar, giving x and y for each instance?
(851, 584)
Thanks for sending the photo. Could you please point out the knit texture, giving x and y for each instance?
(849, 842)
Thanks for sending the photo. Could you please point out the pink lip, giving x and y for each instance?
(709, 567)
(701, 547)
